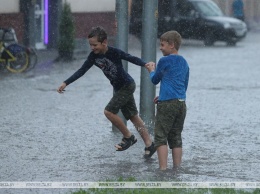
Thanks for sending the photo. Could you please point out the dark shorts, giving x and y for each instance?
(169, 123)
(123, 99)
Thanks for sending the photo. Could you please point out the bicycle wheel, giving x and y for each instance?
(20, 63)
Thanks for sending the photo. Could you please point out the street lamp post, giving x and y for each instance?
(122, 34)
(149, 40)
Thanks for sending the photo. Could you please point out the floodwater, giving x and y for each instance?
(46, 136)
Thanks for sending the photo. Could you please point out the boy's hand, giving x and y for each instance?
(155, 100)
(61, 88)
(150, 66)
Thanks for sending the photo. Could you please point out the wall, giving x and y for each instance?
(90, 13)
(92, 5)
(12, 6)
(85, 21)
(15, 21)
(11, 17)
(9, 6)
(86, 13)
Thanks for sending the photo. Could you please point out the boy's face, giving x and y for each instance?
(166, 48)
(97, 47)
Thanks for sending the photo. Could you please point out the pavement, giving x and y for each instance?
(46, 136)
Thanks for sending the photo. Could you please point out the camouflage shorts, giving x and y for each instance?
(123, 99)
(169, 123)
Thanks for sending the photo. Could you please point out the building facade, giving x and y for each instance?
(36, 22)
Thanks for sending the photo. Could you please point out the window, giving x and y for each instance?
(184, 8)
(208, 8)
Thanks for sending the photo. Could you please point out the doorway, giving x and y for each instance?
(41, 24)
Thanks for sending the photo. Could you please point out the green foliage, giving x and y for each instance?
(66, 34)
(164, 191)
(81, 192)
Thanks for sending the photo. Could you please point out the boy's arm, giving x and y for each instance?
(130, 58)
(80, 72)
(84, 68)
(187, 80)
(156, 74)
(61, 88)
(150, 66)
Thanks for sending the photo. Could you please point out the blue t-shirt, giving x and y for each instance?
(111, 65)
(173, 73)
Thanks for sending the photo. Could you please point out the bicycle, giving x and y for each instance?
(14, 57)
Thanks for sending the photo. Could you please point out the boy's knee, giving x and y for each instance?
(134, 118)
(159, 143)
(107, 113)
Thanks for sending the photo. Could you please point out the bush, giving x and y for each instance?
(66, 34)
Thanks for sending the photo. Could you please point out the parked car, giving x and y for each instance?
(193, 19)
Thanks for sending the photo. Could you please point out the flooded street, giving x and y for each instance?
(46, 136)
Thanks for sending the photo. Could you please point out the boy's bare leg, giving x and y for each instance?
(140, 127)
(176, 157)
(162, 152)
(118, 122)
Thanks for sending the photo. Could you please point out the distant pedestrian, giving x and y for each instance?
(172, 72)
(238, 9)
(109, 60)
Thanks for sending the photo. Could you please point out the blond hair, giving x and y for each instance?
(172, 37)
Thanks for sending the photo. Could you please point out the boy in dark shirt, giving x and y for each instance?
(108, 59)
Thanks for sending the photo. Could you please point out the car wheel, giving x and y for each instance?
(209, 40)
(231, 43)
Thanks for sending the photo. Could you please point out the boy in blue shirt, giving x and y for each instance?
(108, 59)
(172, 72)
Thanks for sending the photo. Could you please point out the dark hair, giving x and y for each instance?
(98, 32)
(172, 37)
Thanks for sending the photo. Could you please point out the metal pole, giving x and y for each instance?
(122, 27)
(122, 34)
(149, 40)
(28, 8)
